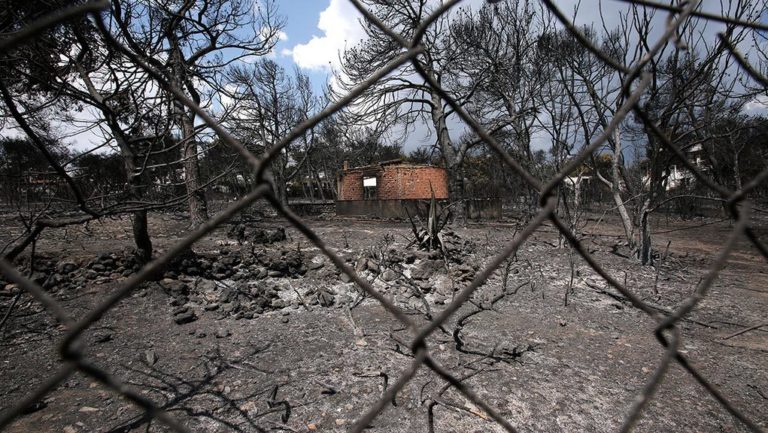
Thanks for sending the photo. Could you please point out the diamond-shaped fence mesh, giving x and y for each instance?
(666, 332)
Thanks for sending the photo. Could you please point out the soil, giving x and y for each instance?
(252, 335)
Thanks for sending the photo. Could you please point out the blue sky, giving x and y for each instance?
(314, 33)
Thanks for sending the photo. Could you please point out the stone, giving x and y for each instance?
(103, 336)
(206, 285)
(425, 269)
(180, 310)
(278, 303)
(184, 318)
(52, 281)
(223, 333)
(266, 236)
(10, 289)
(389, 275)
(261, 272)
(344, 300)
(178, 301)
(345, 278)
(325, 298)
(373, 266)
(361, 265)
(315, 265)
(39, 277)
(275, 274)
(151, 357)
(174, 286)
(66, 267)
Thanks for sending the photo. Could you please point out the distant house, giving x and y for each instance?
(678, 175)
(395, 189)
(386, 189)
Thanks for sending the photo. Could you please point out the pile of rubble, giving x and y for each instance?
(242, 282)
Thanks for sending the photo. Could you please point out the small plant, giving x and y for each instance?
(428, 237)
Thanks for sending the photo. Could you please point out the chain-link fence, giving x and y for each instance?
(667, 332)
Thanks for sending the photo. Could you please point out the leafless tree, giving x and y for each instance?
(404, 97)
(267, 105)
(192, 43)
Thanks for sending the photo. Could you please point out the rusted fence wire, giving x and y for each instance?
(667, 332)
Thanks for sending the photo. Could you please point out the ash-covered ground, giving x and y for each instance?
(255, 330)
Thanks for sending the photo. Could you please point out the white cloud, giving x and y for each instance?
(757, 106)
(341, 28)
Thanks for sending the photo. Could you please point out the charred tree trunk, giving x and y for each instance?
(134, 178)
(198, 207)
(451, 158)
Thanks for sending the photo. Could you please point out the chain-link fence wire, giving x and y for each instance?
(666, 332)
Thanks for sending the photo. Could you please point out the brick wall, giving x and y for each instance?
(395, 181)
(351, 185)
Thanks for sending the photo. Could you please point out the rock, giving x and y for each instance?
(278, 303)
(180, 310)
(278, 265)
(316, 263)
(266, 236)
(10, 290)
(426, 269)
(211, 307)
(276, 274)
(66, 267)
(344, 300)
(426, 286)
(103, 336)
(98, 267)
(193, 270)
(229, 307)
(284, 319)
(184, 318)
(345, 278)
(200, 333)
(373, 266)
(389, 275)
(261, 272)
(223, 333)
(150, 356)
(52, 281)
(205, 285)
(178, 301)
(174, 286)
(39, 277)
(325, 298)
(361, 265)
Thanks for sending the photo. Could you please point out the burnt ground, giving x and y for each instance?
(268, 336)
